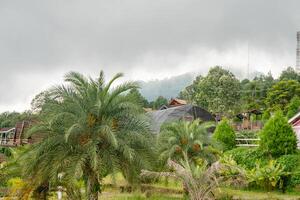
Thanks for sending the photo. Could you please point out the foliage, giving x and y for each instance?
(289, 74)
(17, 187)
(281, 93)
(200, 181)
(291, 165)
(185, 140)
(247, 157)
(266, 115)
(218, 92)
(92, 130)
(266, 176)
(277, 137)
(247, 134)
(9, 119)
(159, 102)
(293, 107)
(137, 97)
(232, 174)
(254, 92)
(224, 134)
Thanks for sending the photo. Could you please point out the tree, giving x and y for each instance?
(224, 134)
(9, 119)
(281, 93)
(277, 137)
(137, 97)
(254, 92)
(218, 92)
(293, 107)
(92, 130)
(183, 140)
(159, 102)
(289, 74)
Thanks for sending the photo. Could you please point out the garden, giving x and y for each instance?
(97, 144)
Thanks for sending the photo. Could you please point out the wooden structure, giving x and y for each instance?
(177, 102)
(247, 142)
(295, 122)
(247, 121)
(11, 137)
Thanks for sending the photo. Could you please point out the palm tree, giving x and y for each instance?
(187, 141)
(92, 130)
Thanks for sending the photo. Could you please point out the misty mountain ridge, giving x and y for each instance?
(171, 87)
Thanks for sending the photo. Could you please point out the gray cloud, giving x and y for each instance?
(41, 40)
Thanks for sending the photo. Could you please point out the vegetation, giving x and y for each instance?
(281, 94)
(217, 92)
(293, 107)
(277, 136)
(224, 134)
(185, 140)
(92, 131)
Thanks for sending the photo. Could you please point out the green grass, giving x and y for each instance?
(259, 195)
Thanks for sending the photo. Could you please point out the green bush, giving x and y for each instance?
(291, 164)
(267, 176)
(277, 136)
(247, 134)
(224, 134)
(247, 157)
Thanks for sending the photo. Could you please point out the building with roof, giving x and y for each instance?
(295, 122)
(179, 112)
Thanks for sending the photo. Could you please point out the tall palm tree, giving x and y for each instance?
(92, 130)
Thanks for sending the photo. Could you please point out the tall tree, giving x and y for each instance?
(92, 130)
(289, 74)
(281, 93)
(255, 91)
(293, 107)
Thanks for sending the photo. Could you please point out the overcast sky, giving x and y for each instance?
(145, 39)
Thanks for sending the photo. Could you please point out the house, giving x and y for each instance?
(177, 112)
(15, 136)
(177, 102)
(295, 122)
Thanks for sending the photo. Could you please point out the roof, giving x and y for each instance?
(176, 113)
(295, 118)
(176, 101)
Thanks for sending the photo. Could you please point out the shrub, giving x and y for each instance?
(247, 157)
(291, 164)
(247, 134)
(224, 134)
(267, 176)
(277, 136)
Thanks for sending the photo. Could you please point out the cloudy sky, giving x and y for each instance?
(145, 39)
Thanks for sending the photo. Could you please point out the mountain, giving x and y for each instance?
(168, 88)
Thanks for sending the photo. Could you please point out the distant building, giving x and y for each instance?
(295, 122)
(177, 109)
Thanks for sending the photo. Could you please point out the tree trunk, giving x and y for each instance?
(93, 187)
(41, 192)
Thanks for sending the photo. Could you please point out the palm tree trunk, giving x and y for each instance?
(93, 187)
(41, 192)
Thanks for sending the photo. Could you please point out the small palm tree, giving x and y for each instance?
(92, 130)
(186, 141)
